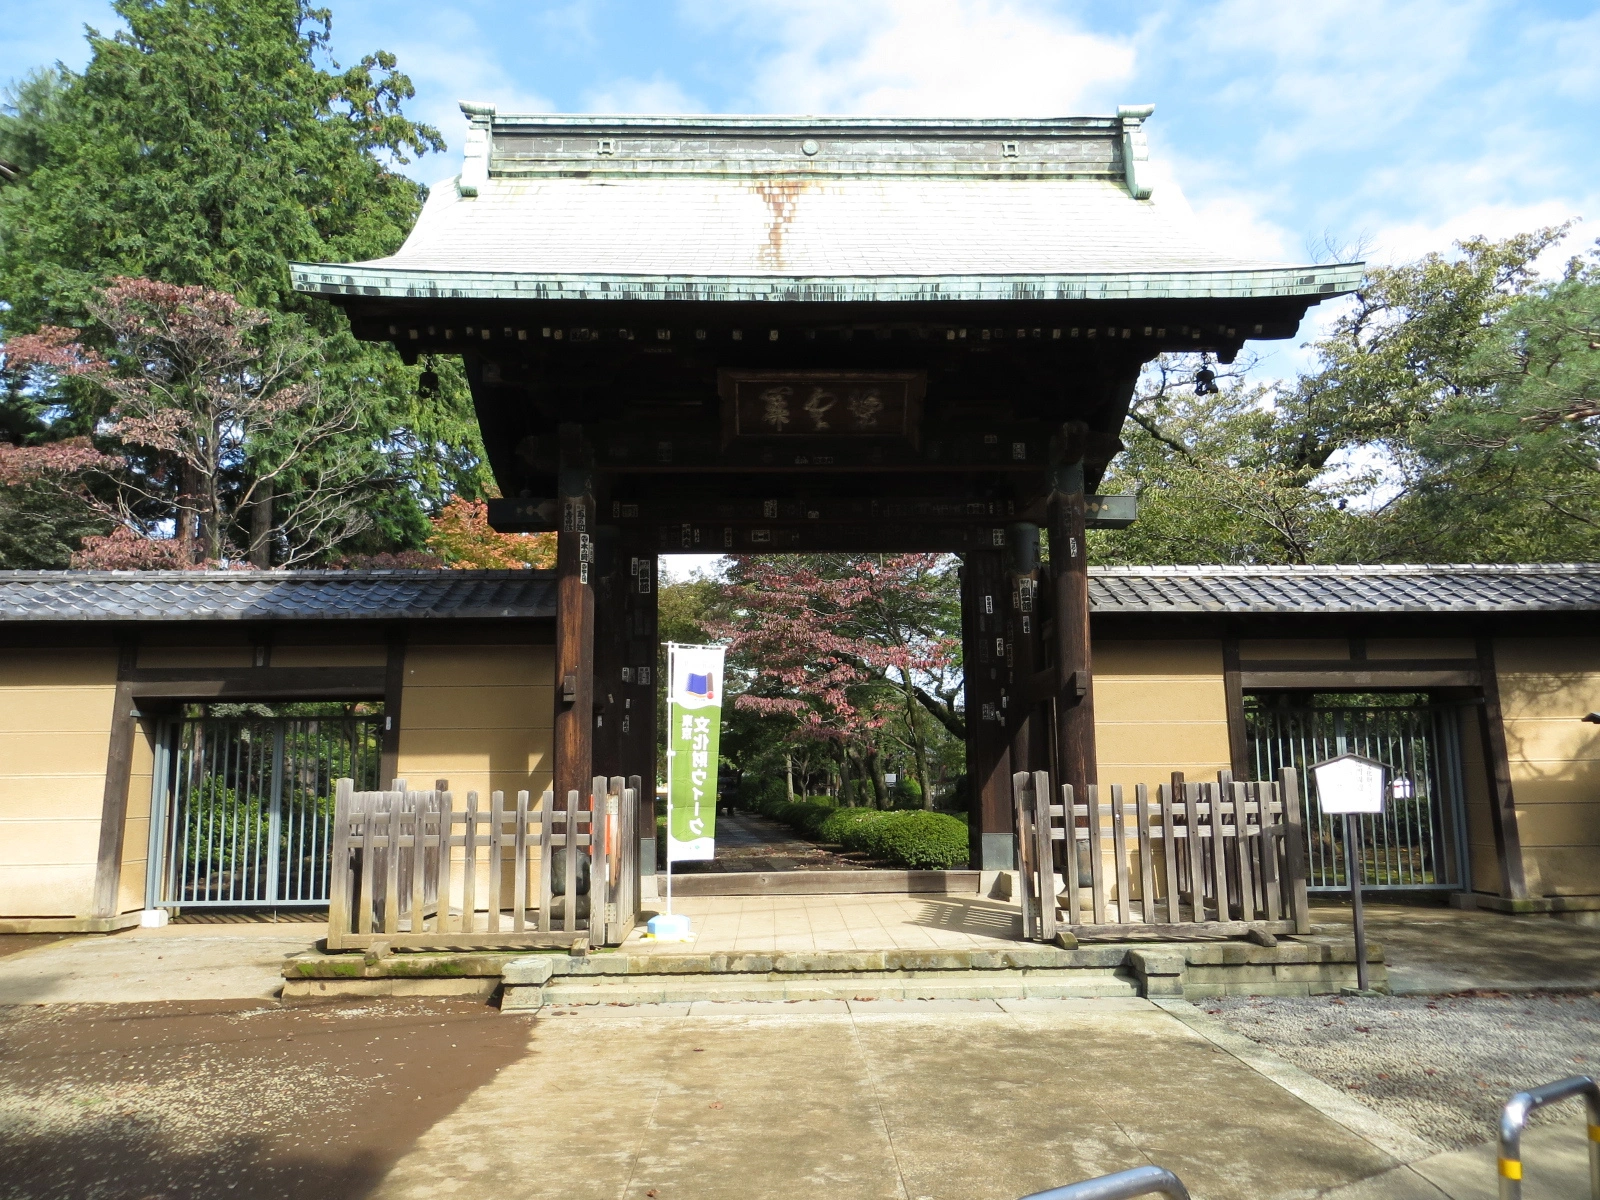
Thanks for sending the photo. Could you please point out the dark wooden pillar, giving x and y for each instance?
(1025, 712)
(394, 687)
(1069, 570)
(610, 582)
(638, 718)
(574, 682)
(114, 801)
(984, 603)
(1496, 758)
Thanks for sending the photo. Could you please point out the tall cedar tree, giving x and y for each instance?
(209, 144)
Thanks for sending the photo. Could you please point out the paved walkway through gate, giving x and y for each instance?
(789, 924)
(748, 842)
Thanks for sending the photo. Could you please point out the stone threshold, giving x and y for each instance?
(1298, 966)
(70, 924)
(823, 883)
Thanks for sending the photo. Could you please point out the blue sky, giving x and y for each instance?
(1398, 125)
(1401, 124)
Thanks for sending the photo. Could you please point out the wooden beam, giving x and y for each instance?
(1259, 666)
(114, 796)
(1502, 801)
(1343, 677)
(259, 683)
(394, 684)
(574, 681)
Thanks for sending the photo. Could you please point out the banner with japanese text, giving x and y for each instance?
(694, 727)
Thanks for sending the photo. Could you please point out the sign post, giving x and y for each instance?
(694, 728)
(1351, 785)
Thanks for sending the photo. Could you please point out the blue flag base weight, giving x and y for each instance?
(669, 927)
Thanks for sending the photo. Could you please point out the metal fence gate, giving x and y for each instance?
(1418, 842)
(243, 807)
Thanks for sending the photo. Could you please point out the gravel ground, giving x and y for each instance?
(1443, 1066)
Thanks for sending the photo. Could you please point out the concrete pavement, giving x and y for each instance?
(951, 1100)
(178, 962)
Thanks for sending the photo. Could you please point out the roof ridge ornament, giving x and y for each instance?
(475, 153)
(1135, 150)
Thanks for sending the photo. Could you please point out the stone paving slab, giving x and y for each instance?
(195, 962)
(968, 1103)
(1556, 1161)
(1432, 950)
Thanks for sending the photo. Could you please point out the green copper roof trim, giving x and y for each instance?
(1313, 282)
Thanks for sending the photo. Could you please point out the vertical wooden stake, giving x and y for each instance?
(447, 829)
(339, 872)
(497, 828)
(1021, 782)
(1295, 847)
(1043, 855)
(519, 883)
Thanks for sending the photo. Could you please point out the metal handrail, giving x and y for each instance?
(1514, 1118)
(1124, 1185)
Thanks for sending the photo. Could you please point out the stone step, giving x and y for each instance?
(943, 985)
(1294, 967)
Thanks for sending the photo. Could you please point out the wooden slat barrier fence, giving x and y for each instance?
(407, 866)
(1185, 859)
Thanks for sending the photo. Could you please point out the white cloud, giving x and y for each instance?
(1334, 74)
(655, 95)
(969, 58)
(1412, 239)
(443, 50)
(681, 568)
(1227, 219)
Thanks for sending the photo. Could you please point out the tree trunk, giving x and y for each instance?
(261, 526)
(880, 790)
(788, 775)
(184, 520)
(919, 744)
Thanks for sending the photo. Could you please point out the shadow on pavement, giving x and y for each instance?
(235, 1099)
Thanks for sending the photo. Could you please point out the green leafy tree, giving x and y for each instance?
(1465, 382)
(208, 144)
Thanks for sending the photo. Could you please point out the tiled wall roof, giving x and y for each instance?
(419, 595)
(274, 595)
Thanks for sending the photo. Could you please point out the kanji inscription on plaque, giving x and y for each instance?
(821, 404)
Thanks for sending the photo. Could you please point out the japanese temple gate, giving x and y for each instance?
(769, 334)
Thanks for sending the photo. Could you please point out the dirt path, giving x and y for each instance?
(185, 1100)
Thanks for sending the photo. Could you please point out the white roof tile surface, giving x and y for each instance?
(731, 209)
(825, 227)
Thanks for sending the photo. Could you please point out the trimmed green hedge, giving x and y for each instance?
(916, 840)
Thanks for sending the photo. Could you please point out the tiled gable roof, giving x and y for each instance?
(811, 209)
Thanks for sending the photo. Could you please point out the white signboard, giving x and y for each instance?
(1349, 784)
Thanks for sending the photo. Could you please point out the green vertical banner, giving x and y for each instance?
(694, 727)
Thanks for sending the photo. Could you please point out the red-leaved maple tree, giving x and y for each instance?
(837, 644)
